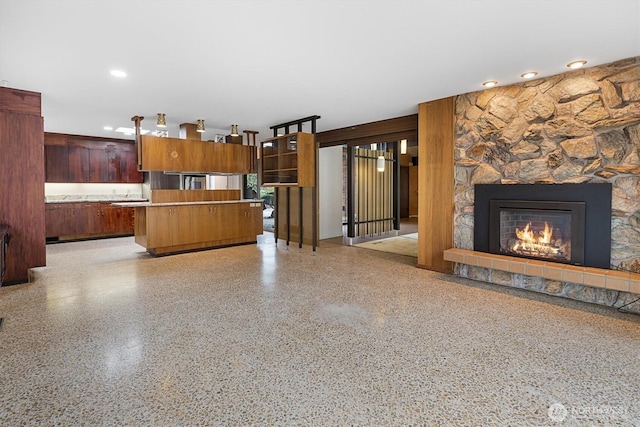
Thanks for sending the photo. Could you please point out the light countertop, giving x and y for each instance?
(151, 205)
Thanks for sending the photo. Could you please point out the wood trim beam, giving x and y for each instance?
(393, 128)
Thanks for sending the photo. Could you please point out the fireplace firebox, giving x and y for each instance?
(565, 223)
(545, 230)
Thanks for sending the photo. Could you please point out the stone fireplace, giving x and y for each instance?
(580, 128)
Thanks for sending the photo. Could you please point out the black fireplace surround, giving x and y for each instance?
(588, 204)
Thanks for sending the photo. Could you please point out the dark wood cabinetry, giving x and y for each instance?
(77, 158)
(22, 181)
(4, 239)
(67, 221)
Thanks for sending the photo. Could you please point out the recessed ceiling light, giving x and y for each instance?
(576, 64)
(490, 83)
(107, 128)
(118, 73)
(529, 74)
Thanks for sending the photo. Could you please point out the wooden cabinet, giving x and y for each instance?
(77, 158)
(56, 159)
(191, 155)
(4, 240)
(172, 228)
(78, 165)
(22, 181)
(289, 160)
(60, 220)
(66, 221)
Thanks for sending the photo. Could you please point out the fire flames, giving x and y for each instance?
(537, 244)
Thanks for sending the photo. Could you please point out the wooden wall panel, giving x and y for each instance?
(436, 122)
(294, 218)
(413, 191)
(171, 196)
(22, 181)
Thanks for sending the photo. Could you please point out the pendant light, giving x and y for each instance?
(162, 121)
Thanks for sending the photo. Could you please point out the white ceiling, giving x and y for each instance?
(260, 63)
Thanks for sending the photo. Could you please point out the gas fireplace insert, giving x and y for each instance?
(565, 223)
(545, 230)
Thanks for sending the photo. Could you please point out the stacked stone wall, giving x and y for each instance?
(580, 126)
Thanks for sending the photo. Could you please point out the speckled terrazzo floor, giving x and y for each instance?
(262, 335)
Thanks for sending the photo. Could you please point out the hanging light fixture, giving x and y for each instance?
(200, 126)
(162, 121)
(234, 130)
(380, 164)
(403, 146)
(374, 146)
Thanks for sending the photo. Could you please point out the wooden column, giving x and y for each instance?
(436, 122)
(188, 131)
(22, 181)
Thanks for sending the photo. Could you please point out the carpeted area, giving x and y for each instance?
(406, 244)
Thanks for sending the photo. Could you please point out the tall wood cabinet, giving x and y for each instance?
(22, 181)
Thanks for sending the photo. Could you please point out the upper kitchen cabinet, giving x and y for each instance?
(192, 155)
(77, 158)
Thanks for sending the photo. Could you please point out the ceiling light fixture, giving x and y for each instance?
(403, 146)
(529, 74)
(577, 64)
(234, 130)
(200, 127)
(380, 164)
(490, 83)
(118, 73)
(107, 128)
(162, 121)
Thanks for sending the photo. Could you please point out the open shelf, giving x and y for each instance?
(289, 160)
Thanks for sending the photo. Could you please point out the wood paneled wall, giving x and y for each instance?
(22, 181)
(436, 122)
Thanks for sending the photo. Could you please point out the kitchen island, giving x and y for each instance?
(166, 228)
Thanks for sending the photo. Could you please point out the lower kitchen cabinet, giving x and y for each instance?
(164, 228)
(70, 221)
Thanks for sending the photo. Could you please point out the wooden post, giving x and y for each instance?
(137, 120)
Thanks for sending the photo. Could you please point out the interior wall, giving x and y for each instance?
(330, 192)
